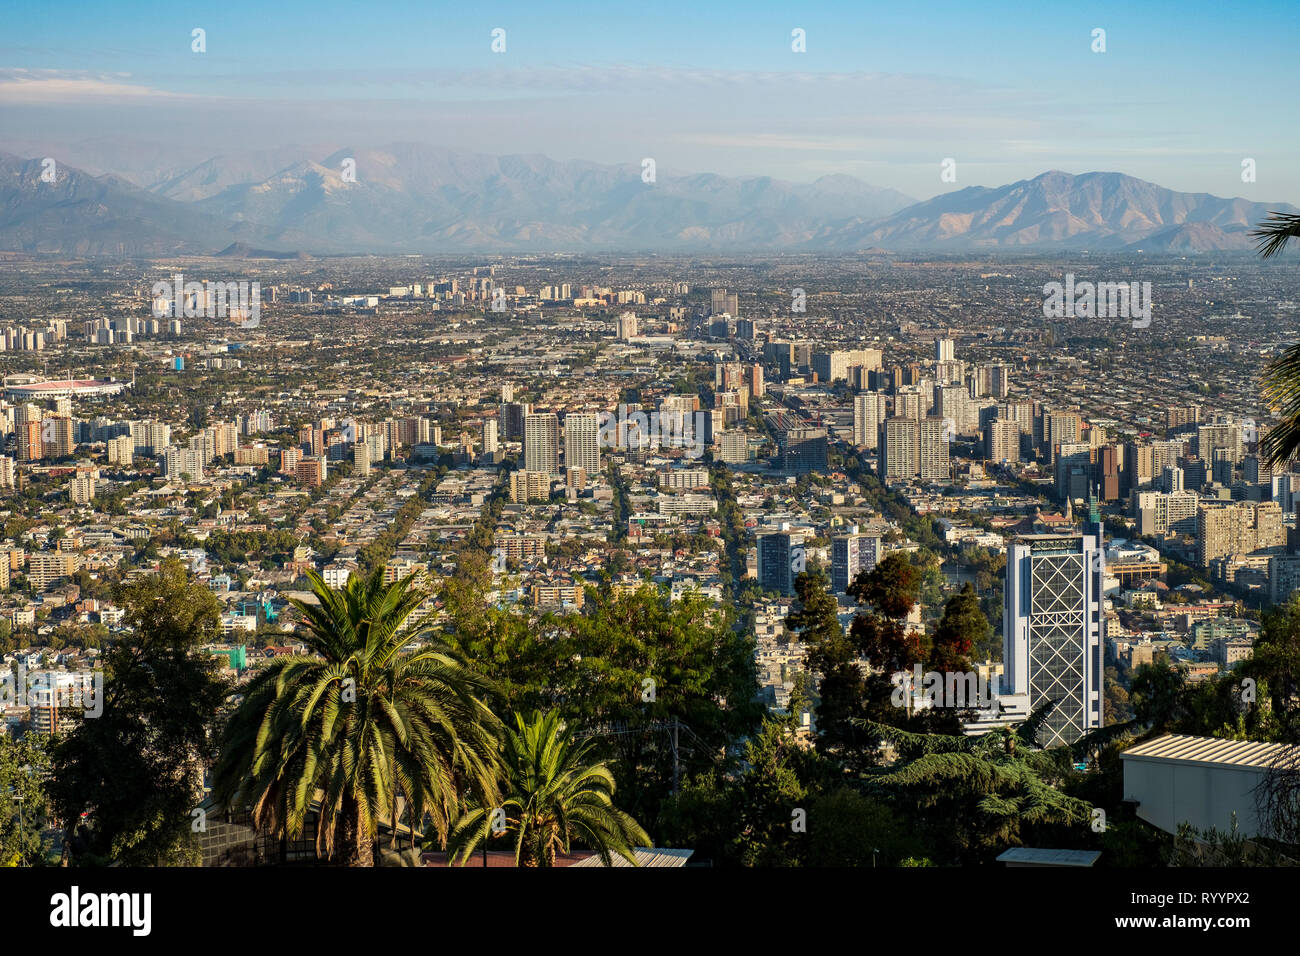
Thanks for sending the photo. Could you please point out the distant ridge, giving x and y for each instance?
(413, 198)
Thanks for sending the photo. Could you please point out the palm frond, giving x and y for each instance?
(1275, 232)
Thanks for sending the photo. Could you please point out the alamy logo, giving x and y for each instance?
(239, 301)
(963, 690)
(1103, 300)
(82, 690)
(132, 910)
(638, 430)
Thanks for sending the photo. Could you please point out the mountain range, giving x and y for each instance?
(413, 198)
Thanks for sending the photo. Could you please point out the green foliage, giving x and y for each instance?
(554, 792)
(359, 721)
(24, 803)
(135, 771)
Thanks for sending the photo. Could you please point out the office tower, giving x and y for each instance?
(900, 438)
(542, 442)
(944, 350)
(1002, 441)
(851, 554)
(582, 442)
(869, 410)
(490, 436)
(1073, 463)
(933, 462)
(803, 450)
(1256, 470)
(717, 301)
(1053, 630)
(1196, 473)
(512, 420)
(1107, 473)
(756, 386)
(746, 329)
(780, 559)
(1222, 467)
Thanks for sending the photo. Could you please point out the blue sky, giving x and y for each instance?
(1183, 93)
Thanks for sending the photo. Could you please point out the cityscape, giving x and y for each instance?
(406, 504)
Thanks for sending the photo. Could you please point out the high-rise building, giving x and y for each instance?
(780, 559)
(1053, 628)
(626, 326)
(1237, 527)
(803, 450)
(512, 420)
(733, 446)
(851, 554)
(490, 436)
(582, 442)
(945, 350)
(933, 463)
(82, 488)
(869, 410)
(542, 442)
(361, 460)
(834, 366)
(1002, 441)
(898, 448)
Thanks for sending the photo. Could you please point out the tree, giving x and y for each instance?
(1281, 378)
(969, 797)
(24, 803)
(134, 772)
(962, 627)
(832, 656)
(554, 793)
(1276, 662)
(637, 664)
(360, 721)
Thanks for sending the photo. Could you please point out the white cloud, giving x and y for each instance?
(49, 86)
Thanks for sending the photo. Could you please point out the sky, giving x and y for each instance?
(1182, 95)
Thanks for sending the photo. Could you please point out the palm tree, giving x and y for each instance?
(554, 794)
(1281, 378)
(358, 720)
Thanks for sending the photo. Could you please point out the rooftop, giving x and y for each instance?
(1181, 748)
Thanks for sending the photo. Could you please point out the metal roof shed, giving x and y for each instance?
(1203, 781)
